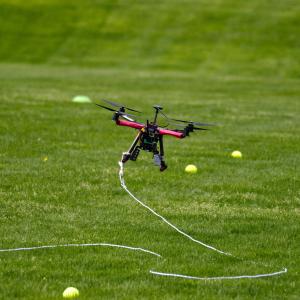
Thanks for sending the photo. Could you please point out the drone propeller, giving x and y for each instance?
(127, 118)
(108, 108)
(198, 128)
(124, 115)
(170, 120)
(119, 105)
(193, 123)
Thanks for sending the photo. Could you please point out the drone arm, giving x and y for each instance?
(136, 125)
(179, 135)
(129, 124)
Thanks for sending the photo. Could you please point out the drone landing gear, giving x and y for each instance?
(134, 151)
(158, 157)
(134, 155)
(159, 161)
(163, 166)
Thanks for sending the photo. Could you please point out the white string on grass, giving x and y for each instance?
(80, 245)
(219, 277)
(121, 176)
(122, 181)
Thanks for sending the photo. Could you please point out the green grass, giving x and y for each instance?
(233, 63)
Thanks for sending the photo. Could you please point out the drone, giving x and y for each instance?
(150, 135)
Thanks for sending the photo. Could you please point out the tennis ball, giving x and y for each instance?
(70, 293)
(236, 154)
(192, 169)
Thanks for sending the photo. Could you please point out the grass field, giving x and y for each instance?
(235, 63)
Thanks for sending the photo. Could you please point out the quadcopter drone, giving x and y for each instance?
(150, 135)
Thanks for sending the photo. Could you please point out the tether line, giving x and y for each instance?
(79, 245)
(122, 181)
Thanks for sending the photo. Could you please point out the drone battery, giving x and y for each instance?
(134, 155)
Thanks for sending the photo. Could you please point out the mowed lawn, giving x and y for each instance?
(248, 207)
(59, 160)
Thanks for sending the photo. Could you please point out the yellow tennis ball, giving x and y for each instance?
(192, 169)
(236, 154)
(70, 293)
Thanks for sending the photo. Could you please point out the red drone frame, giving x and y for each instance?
(150, 135)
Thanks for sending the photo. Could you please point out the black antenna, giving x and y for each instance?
(157, 109)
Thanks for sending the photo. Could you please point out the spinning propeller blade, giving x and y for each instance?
(125, 115)
(193, 123)
(198, 128)
(119, 105)
(108, 108)
(127, 118)
(185, 122)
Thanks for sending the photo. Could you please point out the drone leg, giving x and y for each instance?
(163, 165)
(127, 155)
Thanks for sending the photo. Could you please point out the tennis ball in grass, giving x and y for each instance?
(70, 293)
(236, 154)
(192, 169)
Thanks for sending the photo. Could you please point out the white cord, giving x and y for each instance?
(80, 245)
(121, 176)
(220, 277)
